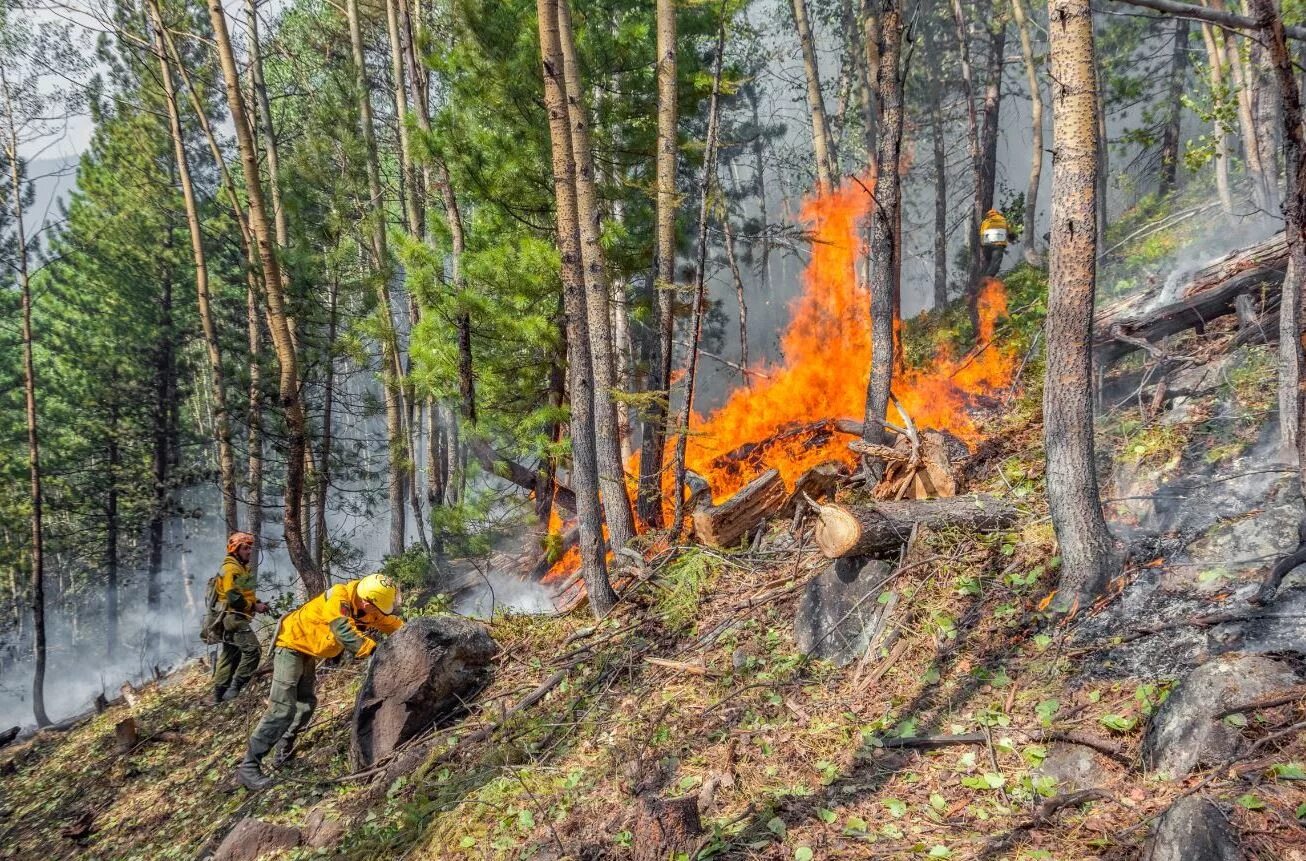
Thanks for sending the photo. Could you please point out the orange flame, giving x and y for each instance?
(826, 361)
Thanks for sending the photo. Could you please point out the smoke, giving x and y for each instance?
(495, 592)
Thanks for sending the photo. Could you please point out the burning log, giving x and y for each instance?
(726, 524)
(817, 483)
(882, 528)
(1142, 319)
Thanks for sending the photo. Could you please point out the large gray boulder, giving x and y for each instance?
(1186, 732)
(420, 677)
(839, 610)
(1193, 829)
(252, 839)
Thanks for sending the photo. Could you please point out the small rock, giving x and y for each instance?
(1073, 766)
(252, 838)
(1193, 829)
(321, 831)
(1185, 733)
(839, 608)
(418, 677)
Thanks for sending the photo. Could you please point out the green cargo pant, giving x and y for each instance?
(291, 703)
(240, 653)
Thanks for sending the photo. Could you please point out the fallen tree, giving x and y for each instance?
(881, 528)
(1140, 320)
(725, 524)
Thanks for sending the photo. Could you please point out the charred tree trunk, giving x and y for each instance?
(822, 141)
(612, 473)
(700, 281)
(649, 503)
(1033, 253)
(1171, 135)
(278, 322)
(584, 457)
(1292, 310)
(1073, 498)
(885, 220)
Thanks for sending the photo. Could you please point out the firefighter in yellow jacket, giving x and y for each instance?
(234, 597)
(338, 620)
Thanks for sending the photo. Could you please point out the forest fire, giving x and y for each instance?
(777, 422)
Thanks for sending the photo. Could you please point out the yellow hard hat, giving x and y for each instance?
(380, 590)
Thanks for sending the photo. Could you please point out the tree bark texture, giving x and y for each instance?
(288, 382)
(649, 502)
(822, 141)
(1171, 135)
(1086, 552)
(885, 219)
(607, 433)
(1292, 310)
(882, 528)
(581, 382)
(1030, 238)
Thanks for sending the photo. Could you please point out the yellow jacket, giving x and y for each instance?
(235, 586)
(331, 623)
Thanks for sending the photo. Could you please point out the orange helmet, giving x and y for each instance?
(238, 540)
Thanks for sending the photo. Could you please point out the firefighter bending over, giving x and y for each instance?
(338, 620)
(234, 600)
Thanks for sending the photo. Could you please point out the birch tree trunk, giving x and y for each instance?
(1086, 553)
(822, 141)
(584, 456)
(653, 443)
(607, 433)
(885, 220)
(278, 322)
(1033, 254)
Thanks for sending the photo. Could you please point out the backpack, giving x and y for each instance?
(211, 627)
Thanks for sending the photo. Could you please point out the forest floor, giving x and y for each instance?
(695, 686)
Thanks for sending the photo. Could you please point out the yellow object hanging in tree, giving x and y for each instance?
(993, 230)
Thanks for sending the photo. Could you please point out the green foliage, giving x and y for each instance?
(685, 581)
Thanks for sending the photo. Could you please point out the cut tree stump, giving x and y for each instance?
(125, 735)
(875, 530)
(665, 827)
(1141, 319)
(726, 524)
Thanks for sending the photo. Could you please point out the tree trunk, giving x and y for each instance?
(164, 371)
(328, 416)
(1240, 76)
(254, 420)
(113, 463)
(739, 297)
(700, 280)
(1221, 134)
(885, 220)
(392, 373)
(584, 457)
(649, 501)
(1033, 254)
(1072, 491)
(222, 425)
(759, 176)
(37, 500)
(612, 474)
(1292, 310)
(883, 527)
(414, 203)
(288, 383)
(1171, 135)
(937, 81)
(822, 143)
(1266, 109)
(973, 153)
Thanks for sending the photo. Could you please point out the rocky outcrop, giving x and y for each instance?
(839, 610)
(1187, 732)
(1193, 829)
(252, 839)
(418, 678)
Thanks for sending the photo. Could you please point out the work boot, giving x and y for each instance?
(233, 692)
(218, 695)
(249, 775)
